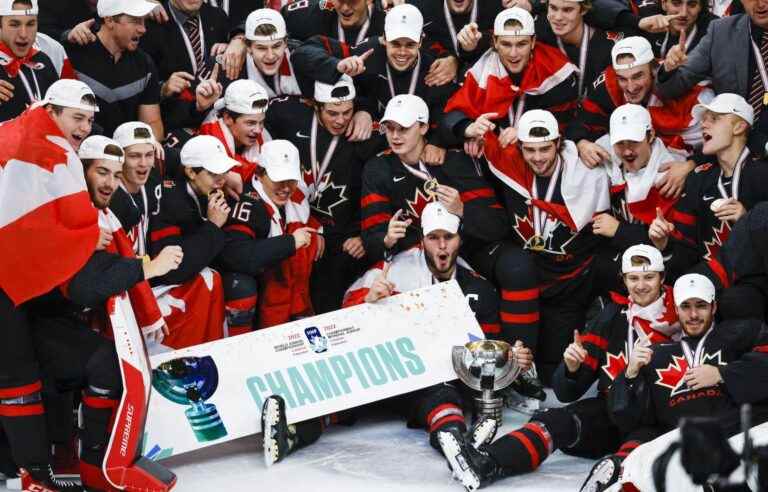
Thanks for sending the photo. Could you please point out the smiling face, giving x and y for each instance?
(565, 16)
(688, 11)
(402, 53)
(540, 156)
(75, 124)
(18, 32)
(268, 55)
(636, 83)
(403, 140)
(718, 131)
(441, 248)
(278, 191)
(634, 155)
(139, 161)
(696, 316)
(245, 128)
(644, 287)
(352, 13)
(102, 178)
(757, 10)
(515, 51)
(335, 117)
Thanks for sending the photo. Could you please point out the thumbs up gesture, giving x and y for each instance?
(676, 55)
(469, 36)
(660, 230)
(575, 353)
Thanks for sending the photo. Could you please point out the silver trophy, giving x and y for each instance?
(486, 366)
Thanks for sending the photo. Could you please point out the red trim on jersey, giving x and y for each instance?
(591, 362)
(21, 410)
(478, 193)
(719, 270)
(372, 198)
(374, 220)
(519, 318)
(17, 391)
(535, 459)
(490, 328)
(595, 340)
(545, 438)
(101, 403)
(761, 348)
(240, 228)
(165, 232)
(520, 295)
(681, 217)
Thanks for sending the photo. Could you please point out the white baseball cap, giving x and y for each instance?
(280, 159)
(403, 21)
(261, 17)
(406, 110)
(629, 122)
(136, 8)
(693, 286)
(343, 90)
(132, 133)
(646, 251)
(436, 217)
(69, 93)
(515, 13)
(207, 152)
(6, 8)
(93, 148)
(244, 96)
(636, 46)
(727, 103)
(537, 118)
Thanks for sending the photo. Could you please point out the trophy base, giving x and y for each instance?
(491, 408)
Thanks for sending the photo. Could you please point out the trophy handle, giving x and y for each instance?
(507, 377)
(457, 356)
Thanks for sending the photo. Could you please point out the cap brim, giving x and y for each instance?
(631, 134)
(140, 8)
(221, 165)
(281, 174)
(401, 120)
(397, 33)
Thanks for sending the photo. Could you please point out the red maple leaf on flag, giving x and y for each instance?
(615, 364)
(721, 235)
(416, 206)
(672, 376)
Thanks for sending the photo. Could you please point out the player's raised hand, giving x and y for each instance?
(482, 125)
(208, 90)
(469, 36)
(396, 229)
(168, 260)
(381, 287)
(676, 55)
(523, 356)
(592, 154)
(354, 65)
(659, 230)
(575, 353)
(641, 356)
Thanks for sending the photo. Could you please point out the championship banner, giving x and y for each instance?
(213, 393)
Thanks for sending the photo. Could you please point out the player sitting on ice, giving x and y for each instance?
(583, 427)
(434, 260)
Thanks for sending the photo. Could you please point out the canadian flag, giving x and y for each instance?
(48, 226)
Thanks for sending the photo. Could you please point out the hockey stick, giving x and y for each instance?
(123, 465)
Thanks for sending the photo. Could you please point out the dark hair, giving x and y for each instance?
(110, 149)
(87, 99)
(586, 5)
(638, 260)
(265, 30)
(513, 24)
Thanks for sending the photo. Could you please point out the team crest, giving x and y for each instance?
(703, 168)
(614, 36)
(614, 364)
(317, 342)
(672, 376)
(416, 206)
(719, 237)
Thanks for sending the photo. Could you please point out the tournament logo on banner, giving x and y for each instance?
(213, 393)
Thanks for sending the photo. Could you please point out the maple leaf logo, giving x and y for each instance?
(309, 179)
(720, 236)
(614, 365)
(672, 376)
(524, 228)
(328, 196)
(416, 206)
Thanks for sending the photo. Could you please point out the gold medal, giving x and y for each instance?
(765, 98)
(430, 188)
(536, 243)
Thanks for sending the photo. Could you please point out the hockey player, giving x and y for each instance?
(707, 373)
(332, 168)
(272, 241)
(582, 427)
(237, 121)
(635, 173)
(27, 72)
(435, 408)
(383, 69)
(587, 47)
(545, 267)
(349, 21)
(62, 225)
(717, 193)
(682, 24)
(509, 79)
(397, 186)
(631, 78)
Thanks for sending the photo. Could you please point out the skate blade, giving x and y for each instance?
(484, 433)
(600, 477)
(271, 447)
(522, 404)
(461, 469)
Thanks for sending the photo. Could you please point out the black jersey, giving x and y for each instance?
(659, 397)
(335, 190)
(29, 84)
(307, 18)
(135, 210)
(389, 186)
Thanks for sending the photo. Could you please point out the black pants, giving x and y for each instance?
(331, 277)
(70, 356)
